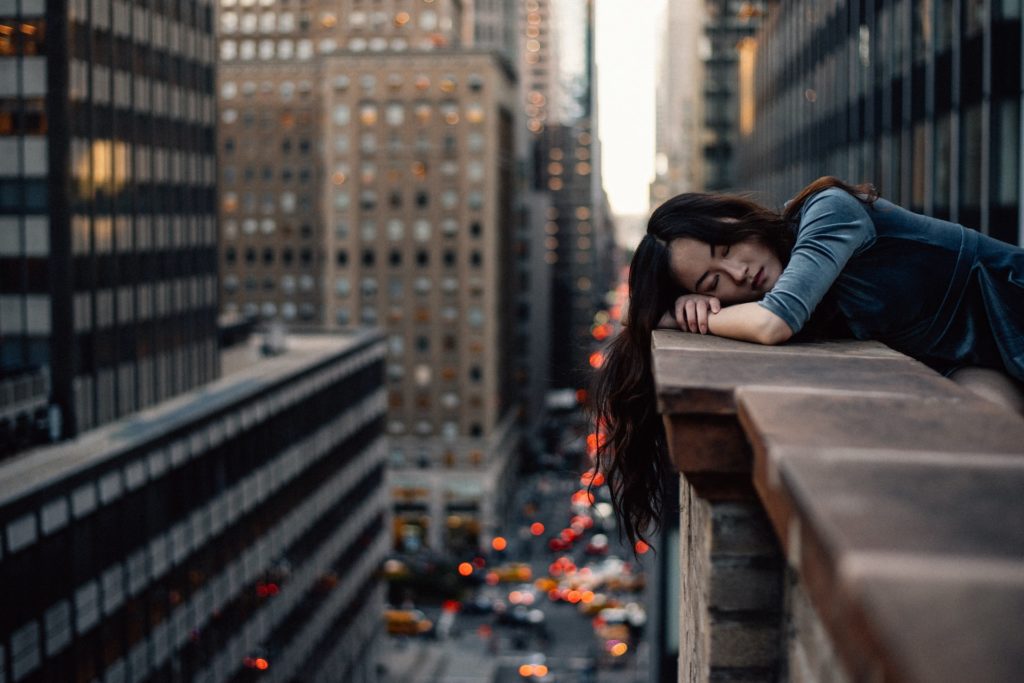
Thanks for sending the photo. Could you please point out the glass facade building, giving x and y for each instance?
(107, 219)
(231, 532)
(920, 97)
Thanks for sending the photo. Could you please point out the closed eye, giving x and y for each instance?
(714, 284)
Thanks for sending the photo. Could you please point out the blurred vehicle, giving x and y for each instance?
(598, 545)
(600, 602)
(514, 572)
(558, 544)
(521, 615)
(534, 668)
(613, 640)
(479, 603)
(545, 583)
(407, 622)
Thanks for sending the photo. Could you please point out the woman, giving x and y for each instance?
(839, 260)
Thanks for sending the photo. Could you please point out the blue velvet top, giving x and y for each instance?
(936, 291)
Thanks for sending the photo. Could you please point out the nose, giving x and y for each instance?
(736, 270)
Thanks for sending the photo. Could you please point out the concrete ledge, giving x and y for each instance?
(894, 495)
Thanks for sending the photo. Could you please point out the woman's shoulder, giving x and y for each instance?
(834, 196)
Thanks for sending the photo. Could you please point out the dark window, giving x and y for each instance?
(306, 256)
(476, 259)
(287, 255)
(422, 344)
(475, 230)
(268, 256)
(449, 257)
(306, 230)
(369, 258)
(230, 255)
(342, 257)
(395, 200)
(396, 257)
(422, 199)
(422, 258)
(250, 255)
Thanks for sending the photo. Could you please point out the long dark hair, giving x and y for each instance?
(631, 447)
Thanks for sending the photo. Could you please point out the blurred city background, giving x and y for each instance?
(299, 300)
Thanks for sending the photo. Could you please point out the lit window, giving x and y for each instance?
(229, 116)
(475, 316)
(396, 229)
(368, 143)
(328, 45)
(266, 49)
(422, 82)
(341, 82)
(449, 199)
(449, 227)
(449, 168)
(249, 22)
(447, 83)
(342, 115)
(247, 50)
(268, 21)
(288, 310)
(229, 22)
(369, 286)
(286, 22)
(267, 226)
(475, 200)
(288, 202)
(369, 315)
(368, 172)
(428, 20)
(423, 375)
(395, 114)
(421, 230)
(399, 44)
(475, 171)
(368, 230)
(342, 200)
(306, 283)
(228, 50)
(368, 114)
(422, 285)
(378, 44)
(450, 285)
(422, 111)
(304, 49)
(474, 113)
(357, 44)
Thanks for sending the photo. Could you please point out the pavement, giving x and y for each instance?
(411, 661)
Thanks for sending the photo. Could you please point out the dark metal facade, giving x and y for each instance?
(107, 212)
(195, 540)
(920, 97)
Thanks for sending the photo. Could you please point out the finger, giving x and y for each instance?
(691, 316)
(716, 305)
(680, 315)
(702, 318)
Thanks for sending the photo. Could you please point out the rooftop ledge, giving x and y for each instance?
(895, 495)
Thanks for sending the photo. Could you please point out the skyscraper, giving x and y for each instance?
(107, 226)
(368, 179)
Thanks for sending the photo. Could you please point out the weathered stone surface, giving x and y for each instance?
(705, 382)
(812, 656)
(707, 443)
(910, 504)
(742, 529)
(951, 628)
(949, 421)
(674, 341)
(744, 644)
(740, 584)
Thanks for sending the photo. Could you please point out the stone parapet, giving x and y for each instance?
(846, 514)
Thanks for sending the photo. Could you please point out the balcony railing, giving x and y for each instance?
(846, 514)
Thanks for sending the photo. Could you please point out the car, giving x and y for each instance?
(557, 544)
(598, 545)
(407, 622)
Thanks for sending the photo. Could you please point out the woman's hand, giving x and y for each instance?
(691, 311)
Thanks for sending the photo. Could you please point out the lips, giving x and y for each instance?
(758, 279)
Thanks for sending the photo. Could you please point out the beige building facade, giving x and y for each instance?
(367, 179)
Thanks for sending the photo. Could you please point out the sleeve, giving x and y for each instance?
(833, 226)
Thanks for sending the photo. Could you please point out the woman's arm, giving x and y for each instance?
(749, 322)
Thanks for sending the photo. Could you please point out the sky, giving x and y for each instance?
(625, 54)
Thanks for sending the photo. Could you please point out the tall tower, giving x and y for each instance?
(679, 113)
(373, 185)
(107, 227)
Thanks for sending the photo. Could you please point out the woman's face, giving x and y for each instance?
(735, 274)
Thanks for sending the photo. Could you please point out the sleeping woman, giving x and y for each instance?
(837, 261)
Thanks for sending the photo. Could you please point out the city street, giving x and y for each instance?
(485, 647)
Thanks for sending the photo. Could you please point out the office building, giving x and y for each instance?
(679, 122)
(368, 177)
(235, 529)
(728, 58)
(108, 265)
(921, 98)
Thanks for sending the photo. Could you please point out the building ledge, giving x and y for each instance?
(894, 496)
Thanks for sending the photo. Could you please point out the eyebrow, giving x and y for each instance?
(696, 287)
